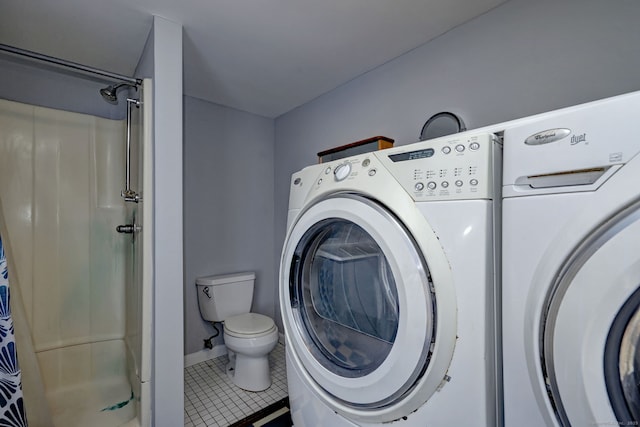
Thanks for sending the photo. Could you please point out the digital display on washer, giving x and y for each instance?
(412, 155)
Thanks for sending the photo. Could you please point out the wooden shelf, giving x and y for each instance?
(359, 147)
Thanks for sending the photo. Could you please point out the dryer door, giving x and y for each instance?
(358, 305)
(591, 337)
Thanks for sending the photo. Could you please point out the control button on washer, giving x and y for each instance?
(341, 172)
(458, 183)
(366, 162)
(474, 146)
(372, 172)
(446, 149)
(327, 171)
(431, 185)
(473, 182)
(444, 184)
(459, 148)
(419, 186)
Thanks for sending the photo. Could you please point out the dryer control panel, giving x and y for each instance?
(459, 166)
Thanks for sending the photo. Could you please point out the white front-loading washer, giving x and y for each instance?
(571, 266)
(387, 287)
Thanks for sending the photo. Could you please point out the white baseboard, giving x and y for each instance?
(203, 355)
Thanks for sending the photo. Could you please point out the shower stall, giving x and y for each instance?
(78, 238)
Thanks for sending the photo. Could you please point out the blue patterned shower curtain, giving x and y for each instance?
(12, 413)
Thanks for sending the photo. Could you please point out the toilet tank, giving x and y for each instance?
(223, 296)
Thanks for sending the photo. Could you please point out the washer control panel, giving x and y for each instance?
(454, 167)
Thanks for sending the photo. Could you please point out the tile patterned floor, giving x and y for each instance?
(212, 400)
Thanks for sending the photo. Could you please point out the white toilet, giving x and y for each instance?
(249, 337)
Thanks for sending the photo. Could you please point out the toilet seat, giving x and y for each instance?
(249, 325)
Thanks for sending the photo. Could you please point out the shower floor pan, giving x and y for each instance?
(105, 404)
(88, 385)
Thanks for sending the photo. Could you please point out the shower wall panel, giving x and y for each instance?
(60, 178)
(16, 189)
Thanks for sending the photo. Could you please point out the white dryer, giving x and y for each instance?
(387, 287)
(571, 266)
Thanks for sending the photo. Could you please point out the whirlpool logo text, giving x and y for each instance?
(553, 135)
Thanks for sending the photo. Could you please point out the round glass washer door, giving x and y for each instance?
(358, 304)
(591, 334)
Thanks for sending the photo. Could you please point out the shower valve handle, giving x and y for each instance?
(128, 228)
(130, 196)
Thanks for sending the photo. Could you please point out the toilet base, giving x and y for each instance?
(249, 373)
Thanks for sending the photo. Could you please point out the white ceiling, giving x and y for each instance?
(261, 56)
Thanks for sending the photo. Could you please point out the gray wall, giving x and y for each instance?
(162, 57)
(228, 205)
(521, 58)
(35, 83)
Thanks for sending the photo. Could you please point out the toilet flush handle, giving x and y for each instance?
(206, 291)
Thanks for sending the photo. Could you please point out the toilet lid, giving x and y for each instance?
(249, 324)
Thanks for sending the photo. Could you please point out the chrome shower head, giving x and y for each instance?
(109, 93)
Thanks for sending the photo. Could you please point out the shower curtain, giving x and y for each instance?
(12, 411)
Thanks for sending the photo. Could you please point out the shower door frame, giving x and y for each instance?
(147, 237)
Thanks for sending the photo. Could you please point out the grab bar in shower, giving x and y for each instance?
(129, 194)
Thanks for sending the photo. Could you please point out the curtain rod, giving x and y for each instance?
(69, 64)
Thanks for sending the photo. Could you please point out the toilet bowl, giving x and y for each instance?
(249, 339)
